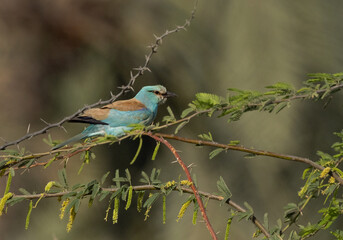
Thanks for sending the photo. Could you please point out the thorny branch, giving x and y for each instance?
(75, 150)
(251, 151)
(254, 105)
(152, 188)
(134, 74)
(194, 189)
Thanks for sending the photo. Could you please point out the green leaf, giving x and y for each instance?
(104, 177)
(145, 178)
(77, 205)
(223, 189)
(170, 112)
(181, 125)
(281, 106)
(117, 177)
(206, 137)
(49, 141)
(71, 204)
(128, 175)
(103, 195)
(14, 200)
(95, 190)
(246, 215)
(215, 152)
(24, 191)
(170, 118)
(62, 175)
(186, 112)
(154, 176)
(290, 211)
(151, 200)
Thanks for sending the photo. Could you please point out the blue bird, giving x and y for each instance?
(114, 119)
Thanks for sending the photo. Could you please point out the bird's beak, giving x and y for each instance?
(169, 94)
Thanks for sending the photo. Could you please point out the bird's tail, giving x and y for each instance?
(70, 140)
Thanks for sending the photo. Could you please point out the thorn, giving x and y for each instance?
(44, 121)
(112, 95)
(174, 162)
(122, 87)
(154, 49)
(3, 139)
(191, 165)
(151, 46)
(131, 74)
(138, 68)
(63, 128)
(146, 69)
(126, 88)
(28, 128)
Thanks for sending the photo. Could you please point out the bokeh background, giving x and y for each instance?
(57, 56)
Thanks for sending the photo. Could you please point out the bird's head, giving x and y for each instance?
(156, 94)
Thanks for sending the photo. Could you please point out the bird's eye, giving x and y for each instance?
(156, 92)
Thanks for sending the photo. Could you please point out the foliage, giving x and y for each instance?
(322, 180)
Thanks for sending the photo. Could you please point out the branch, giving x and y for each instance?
(75, 150)
(138, 72)
(254, 106)
(153, 188)
(194, 189)
(252, 151)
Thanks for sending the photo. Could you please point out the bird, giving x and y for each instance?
(115, 118)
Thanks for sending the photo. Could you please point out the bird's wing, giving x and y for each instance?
(125, 105)
(118, 113)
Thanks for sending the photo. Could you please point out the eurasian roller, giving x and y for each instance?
(115, 118)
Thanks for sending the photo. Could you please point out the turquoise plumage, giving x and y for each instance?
(114, 119)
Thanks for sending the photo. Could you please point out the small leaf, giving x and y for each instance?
(151, 200)
(170, 112)
(145, 178)
(207, 137)
(15, 200)
(181, 125)
(186, 112)
(62, 175)
(281, 106)
(224, 190)
(128, 175)
(103, 195)
(215, 152)
(103, 178)
(24, 191)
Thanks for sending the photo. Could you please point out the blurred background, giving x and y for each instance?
(57, 56)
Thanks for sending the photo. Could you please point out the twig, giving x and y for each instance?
(182, 139)
(252, 151)
(187, 190)
(252, 105)
(129, 87)
(194, 189)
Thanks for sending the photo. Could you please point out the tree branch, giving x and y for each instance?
(138, 72)
(252, 151)
(187, 190)
(194, 189)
